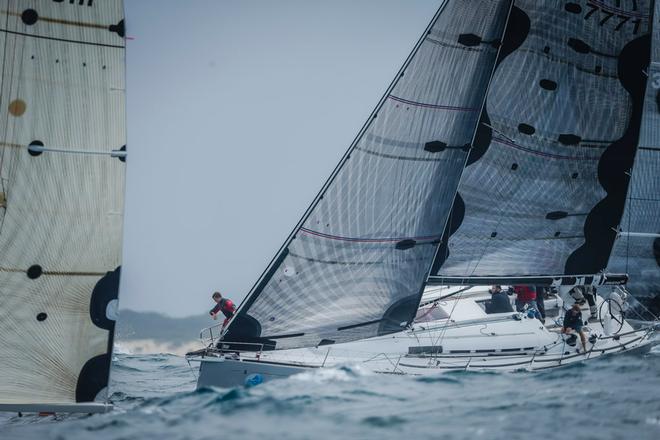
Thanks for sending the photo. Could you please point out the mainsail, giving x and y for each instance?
(545, 185)
(62, 140)
(637, 251)
(356, 264)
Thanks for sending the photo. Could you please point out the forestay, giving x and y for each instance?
(635, 253)
(356, 264)
(62, 88)
(545, 185)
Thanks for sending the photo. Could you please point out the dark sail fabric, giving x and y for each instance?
(545, 185)
(62, 88)
(639, 256)
(356, 264)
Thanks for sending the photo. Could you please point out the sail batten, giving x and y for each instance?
(357, 262)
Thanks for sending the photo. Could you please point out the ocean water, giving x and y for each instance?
(155, 398)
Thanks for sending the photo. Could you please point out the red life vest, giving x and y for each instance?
(227, 307)
(525, 293)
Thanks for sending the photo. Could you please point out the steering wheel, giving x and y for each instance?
(614, 312)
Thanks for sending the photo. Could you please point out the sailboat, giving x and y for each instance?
(501, 153)
(62, 164)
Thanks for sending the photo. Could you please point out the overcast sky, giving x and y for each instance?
(237, 113)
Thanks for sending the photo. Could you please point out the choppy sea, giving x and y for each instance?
(155, 398)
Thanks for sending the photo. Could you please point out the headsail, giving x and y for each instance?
(545, 185)
(356, 264)
(637, 251)
(61, 200)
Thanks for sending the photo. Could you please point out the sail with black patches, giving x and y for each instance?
(356, 264)
(62, 145)
(637, 250)
(545, 184)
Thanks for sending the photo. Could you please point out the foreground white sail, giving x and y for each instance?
(62, 144)
(529, 114)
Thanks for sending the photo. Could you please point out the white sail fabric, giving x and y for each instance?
(546, 183)
(356, 265)
(636, 254)
(62, 67)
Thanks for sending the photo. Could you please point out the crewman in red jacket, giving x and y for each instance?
(525, 296)
(224, 305)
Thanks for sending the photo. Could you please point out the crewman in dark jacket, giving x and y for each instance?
(499, 301)
(573, 321)
(224, 305)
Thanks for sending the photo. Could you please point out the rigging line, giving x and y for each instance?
(474, 135)
(267, 273)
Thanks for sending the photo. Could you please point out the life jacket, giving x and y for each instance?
(525, 293)
(227, 307)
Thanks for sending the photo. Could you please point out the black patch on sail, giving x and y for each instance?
(94, 374)
(29, 17)
(37, 144)
(456, 216)
(118, 28)
(656, 250)
(548, 84)
(573, 8)
(405, 244)
(34, 271)
(569, 139)
(398, 313)
(122, 158)
(93, 378)
(601, 223)
(435, 146)
(106, 290)
(247, 330)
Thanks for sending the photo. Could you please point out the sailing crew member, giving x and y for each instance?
(525, 296)
(590, 296)
(224, 305)
(573, 321)
(499, 301)
(540, 301)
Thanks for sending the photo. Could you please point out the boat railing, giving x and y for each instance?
(207, 336)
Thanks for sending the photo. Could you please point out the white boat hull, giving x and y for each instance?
(472, 341)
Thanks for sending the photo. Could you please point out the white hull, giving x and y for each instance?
(471, 340)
